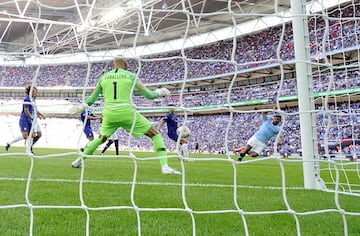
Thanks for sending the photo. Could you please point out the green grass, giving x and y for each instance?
(208, 203)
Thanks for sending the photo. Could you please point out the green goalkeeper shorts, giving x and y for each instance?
(124, 118)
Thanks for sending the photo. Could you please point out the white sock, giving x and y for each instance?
(17, 139)
(181, 152)
(86, 145)
(185, 150)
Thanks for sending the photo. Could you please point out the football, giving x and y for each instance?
(183, 131)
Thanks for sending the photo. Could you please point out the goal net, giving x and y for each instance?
(225, 63)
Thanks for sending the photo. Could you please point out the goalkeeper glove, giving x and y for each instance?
(163, 92)
(78, 108)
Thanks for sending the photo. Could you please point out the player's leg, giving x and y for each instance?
(36, 134)
(250, 144)
(174, 136)
(144, 126)
(25, 137)
(244, 152)
(160, 149)
(16, 139)
(89, 135)
(253, 147)
(25, 132)
(24, 128)
(184, 146)
(108, 144)
(116, 141)
(90, 148)
(35, 139)
(253, 154)
(257, 149)
(107, 130)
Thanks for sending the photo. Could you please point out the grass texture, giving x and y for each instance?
(123, 196)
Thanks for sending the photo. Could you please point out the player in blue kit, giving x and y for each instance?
(256, 144)
(172, 121)
(87, 125)
(28, 118)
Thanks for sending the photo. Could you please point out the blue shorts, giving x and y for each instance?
(25, 125)
(174, 136)
(88, 132)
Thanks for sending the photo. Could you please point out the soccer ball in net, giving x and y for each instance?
(183, 131)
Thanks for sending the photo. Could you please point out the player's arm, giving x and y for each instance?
(264, 115)
(27, 113)
(150, 94)
(94, 117)
(40, 115)
(161, 123)
(147, 93)
(95, 94)
(281, 141)
(281, 138)
(77, 108)
(240, 149)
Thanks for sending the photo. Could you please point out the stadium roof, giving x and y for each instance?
(52, 27)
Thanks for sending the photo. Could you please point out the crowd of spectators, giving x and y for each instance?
(333, 124)
(340, 81)
(254, 50)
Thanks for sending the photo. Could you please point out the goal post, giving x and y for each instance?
(305, 95)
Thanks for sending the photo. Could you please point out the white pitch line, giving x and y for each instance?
(149, 183)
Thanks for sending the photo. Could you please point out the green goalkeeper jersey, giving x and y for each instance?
(116, 87)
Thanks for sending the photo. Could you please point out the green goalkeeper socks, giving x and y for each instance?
(159, 148)
(91, 147)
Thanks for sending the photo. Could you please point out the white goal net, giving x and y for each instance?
(225, 63)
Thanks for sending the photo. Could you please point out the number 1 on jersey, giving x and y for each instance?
(115, 89)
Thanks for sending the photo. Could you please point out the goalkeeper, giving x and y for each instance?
(116, 86)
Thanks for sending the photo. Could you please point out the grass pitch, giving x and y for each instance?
(123, 196)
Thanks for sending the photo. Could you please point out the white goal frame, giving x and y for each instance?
(305, 96)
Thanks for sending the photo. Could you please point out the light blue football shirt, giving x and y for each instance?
(267, 130)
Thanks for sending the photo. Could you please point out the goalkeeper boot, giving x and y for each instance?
(76, 163)
(166, 170)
